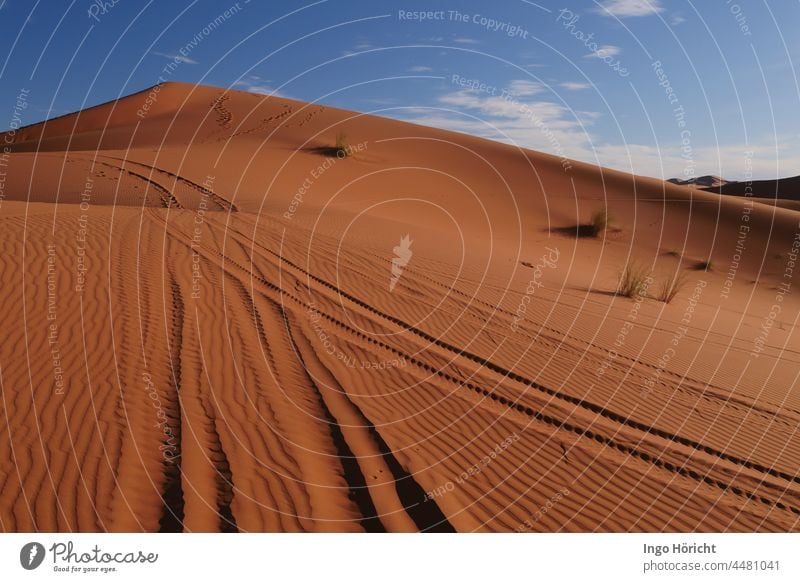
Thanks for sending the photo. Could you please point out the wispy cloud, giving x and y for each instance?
(573, 86)
(359, 47)
(769, 159)
(420, 69)
(626, 8)
(524, 87)
(255, 84)
(677, 19)
(176, 58)
(607, 50)
(465, 40)
(556, 129)
(520, 120)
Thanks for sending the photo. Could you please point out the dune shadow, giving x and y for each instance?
(576, 231)
(701, 266)
(326, 151)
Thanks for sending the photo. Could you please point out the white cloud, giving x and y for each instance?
(573, 86)
(176, 58)
(255, 84)
(607, 50)
(555, 129)
(420, 69)
(625, 8)
(677, 19)
(519, 120)
(524, 87)
(465, 40)
(769, 159)
(521, 113)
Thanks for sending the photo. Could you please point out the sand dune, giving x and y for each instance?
(784, 193)
(707, 182)
(212, 323)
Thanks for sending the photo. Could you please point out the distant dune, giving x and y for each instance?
(217, 318)
(784, 192)
(700, 181)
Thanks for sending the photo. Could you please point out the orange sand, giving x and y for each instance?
(193, 344)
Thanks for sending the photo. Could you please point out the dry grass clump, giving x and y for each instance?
(670, 287)
(342, 147)
(634, 281)
(705, 265)
(600, 222)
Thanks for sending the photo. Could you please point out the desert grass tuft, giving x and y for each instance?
(600, 222)
(634, 281)
(706, 265)
(342, 146)
(670, 288)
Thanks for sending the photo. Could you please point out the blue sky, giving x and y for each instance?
(662, 88)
